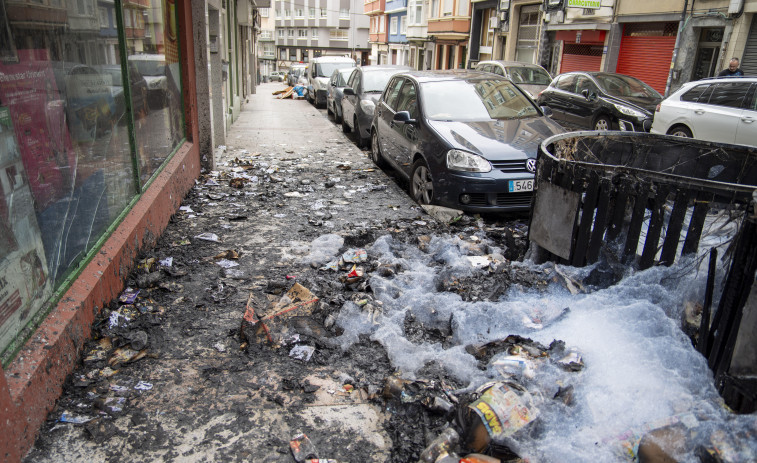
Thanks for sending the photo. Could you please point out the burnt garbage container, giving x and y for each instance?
(641, 196)
(644, 199)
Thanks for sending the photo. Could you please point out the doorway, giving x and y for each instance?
(708, 53)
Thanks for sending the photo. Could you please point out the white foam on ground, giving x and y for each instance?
(640, 368)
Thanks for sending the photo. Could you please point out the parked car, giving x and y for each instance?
(88, 100)
(465, 139)
(601, 101)
(319, 73)
(295, 72)
(112, 73)
(336, 91)
(153, 68)
(720, 109)
(277, 76)
(363, 90)
(530, 77)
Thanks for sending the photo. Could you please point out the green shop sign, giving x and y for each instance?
(585, 3)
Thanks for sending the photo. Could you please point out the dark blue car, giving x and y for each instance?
(465, 139)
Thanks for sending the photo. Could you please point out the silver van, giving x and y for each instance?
(319, 72)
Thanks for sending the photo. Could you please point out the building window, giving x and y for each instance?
(283, 54)
(403, 25)
(292, 54)
(314, 33)
(434, 13)
(338, 34)
(323, 12)
(281, 33)
(381, 24)
(447, 7)
(290, 32)
(263, 12)
(299, 13)
(278, 13)
(462, 8)
(393, 26)
(104, 22)
(344, 13)
(415, 13)
(302, 33)
(268, 50)
(311, 13)
(265, 35)
(287, 13)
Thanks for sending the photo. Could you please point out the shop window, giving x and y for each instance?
(68, 169)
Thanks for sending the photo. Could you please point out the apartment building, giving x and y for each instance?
(306, 29)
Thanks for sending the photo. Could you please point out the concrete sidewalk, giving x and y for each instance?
(200, 393)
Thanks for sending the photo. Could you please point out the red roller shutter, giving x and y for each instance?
(646, 50)
(581, 57)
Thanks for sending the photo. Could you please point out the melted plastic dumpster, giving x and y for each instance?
(643, 200)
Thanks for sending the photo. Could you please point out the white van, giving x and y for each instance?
(319, 72)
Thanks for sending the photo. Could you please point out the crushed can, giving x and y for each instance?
(303, 449)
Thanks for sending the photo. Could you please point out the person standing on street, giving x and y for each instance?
(733, 69)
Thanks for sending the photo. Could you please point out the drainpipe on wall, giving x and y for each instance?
(676, 46)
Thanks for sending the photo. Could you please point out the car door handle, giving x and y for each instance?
(699, 111)
(747, 120)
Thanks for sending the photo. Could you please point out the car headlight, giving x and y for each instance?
(630, 111)
(467, 162)
(367, 106)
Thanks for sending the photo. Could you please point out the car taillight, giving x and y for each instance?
(657, 109)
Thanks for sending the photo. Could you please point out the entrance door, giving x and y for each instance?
(706, 64)
(528, 34)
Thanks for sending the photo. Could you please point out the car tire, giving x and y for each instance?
(337, 115)
(362, 142)
(345, 127)
(681, 131)
(309, 98)
(421, 184)
(603, 123)
(376, 150)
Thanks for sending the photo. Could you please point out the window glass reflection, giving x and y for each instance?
(153, 50)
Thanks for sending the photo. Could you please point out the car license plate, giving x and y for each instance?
(516, 186)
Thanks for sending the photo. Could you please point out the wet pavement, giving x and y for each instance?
(299, 290)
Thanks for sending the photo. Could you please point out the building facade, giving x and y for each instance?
(320, 28)
(396, 16)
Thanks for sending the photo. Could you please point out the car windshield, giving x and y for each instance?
(344, 76)
(624, 86)
(375, 81)
(476, 100)
(151, 67)
(326, 69)
(529, 75)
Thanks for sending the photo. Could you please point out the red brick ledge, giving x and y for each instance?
(33, 382)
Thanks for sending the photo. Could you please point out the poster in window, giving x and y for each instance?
(24, 283)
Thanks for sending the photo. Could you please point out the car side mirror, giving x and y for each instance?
(349, 91)
(587, 94)
(546, 110)
(403, 117)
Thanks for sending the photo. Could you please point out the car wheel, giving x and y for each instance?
(362, 142)
(337, 114)
(603, 123)
(680, 131)
(376, 150)
(421, 183)
(345, 127)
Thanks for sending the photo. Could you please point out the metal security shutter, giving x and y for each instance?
(646, 50)
(749, 60)
(578, 57)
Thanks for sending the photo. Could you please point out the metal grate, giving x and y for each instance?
(650, 29)
(514, 199)
(582, 49)
(510, 166)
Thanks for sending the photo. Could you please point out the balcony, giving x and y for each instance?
(449, 28)
(393, 6)
(374, 7)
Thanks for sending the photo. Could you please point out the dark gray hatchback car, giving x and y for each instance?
(465, 139)
(360, 96)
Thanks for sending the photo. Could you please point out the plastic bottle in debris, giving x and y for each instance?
(441, 449)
